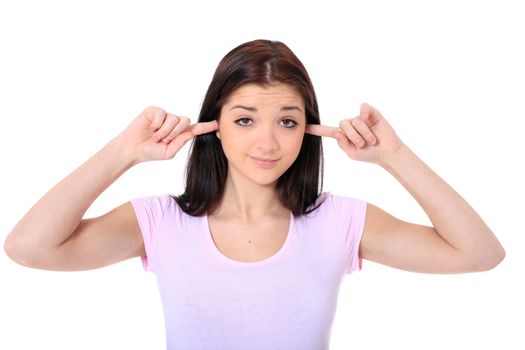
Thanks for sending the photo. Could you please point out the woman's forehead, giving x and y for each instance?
(266, 95)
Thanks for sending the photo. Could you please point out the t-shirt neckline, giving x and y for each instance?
(267, 260)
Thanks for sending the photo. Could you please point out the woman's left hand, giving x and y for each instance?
(367, 137)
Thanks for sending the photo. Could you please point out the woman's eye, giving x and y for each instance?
(243, 121)
(288, 123)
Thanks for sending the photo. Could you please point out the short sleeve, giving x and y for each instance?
(350, 213)
(149, 212)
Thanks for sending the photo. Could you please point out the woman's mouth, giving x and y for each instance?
(264, 162)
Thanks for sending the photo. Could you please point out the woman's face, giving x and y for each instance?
(261, 129)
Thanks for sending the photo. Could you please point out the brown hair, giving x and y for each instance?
(260, 62)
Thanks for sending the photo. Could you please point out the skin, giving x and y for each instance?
(56, 237)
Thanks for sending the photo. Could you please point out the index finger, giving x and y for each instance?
(321, 130)
(203, 127)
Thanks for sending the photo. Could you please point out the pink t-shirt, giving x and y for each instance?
(287, 301)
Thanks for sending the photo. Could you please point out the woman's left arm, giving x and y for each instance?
(459, 240)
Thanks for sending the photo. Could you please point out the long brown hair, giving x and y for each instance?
(260, 62)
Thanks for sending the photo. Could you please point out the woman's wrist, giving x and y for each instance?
(397, 158)
(122, 152)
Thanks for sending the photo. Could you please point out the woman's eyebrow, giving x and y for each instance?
(253, 109)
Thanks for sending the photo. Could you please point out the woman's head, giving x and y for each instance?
(261, 128)
(250, 71)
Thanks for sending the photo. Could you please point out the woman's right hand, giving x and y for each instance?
(157, 135)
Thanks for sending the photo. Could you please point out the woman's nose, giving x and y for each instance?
(267, 139)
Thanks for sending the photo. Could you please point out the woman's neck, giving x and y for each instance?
(247, 201)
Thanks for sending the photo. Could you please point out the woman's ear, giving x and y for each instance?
(218, 134)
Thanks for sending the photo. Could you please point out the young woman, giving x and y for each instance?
(252, 254)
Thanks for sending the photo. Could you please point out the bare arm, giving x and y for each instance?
(53, 234)
(44, 230)
(459, 240)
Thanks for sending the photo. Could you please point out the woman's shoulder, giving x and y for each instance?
(330, 206)
(331, 199)
(156, 203)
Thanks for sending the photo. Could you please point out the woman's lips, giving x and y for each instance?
(263, 162)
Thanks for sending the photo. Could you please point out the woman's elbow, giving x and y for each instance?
(15, 251)
(10, 248)
(492, 258)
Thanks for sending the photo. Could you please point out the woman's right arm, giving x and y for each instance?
(53, 234)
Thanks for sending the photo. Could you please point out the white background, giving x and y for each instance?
(449, 77)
